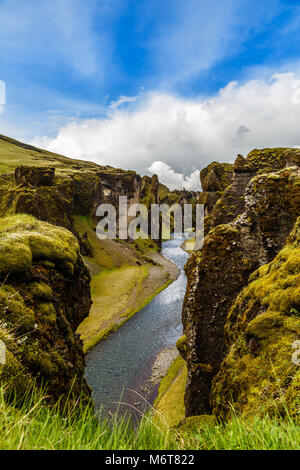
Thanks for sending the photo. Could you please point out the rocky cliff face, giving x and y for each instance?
(44, 295)
(56, 199)
(249, 225)
(259, 373)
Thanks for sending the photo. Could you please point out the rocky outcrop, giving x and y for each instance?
(258, 230)
(260, 372)
(34, 176)
(215, 178)
(32, 191)
(44, 296)
(36, 191)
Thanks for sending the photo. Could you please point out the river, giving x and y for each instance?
(121, 365)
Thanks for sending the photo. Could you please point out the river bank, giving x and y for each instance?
(125, 278)
(124, 370)
(120, 293)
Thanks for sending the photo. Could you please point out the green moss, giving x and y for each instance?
(216, 176)
(171, 375)
(47, 313)
(181, 345)
(266, 159)
(258, 375)
(169, 404)
(14, 374)
(40, 291)
(14, 311)
(42, 363)
(144, 246)
(24, 240)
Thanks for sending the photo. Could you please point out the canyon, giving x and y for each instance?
(62, 290)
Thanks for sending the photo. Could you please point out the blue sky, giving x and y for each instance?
(67, 63)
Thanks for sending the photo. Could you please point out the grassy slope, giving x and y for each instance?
(35, 425)
(113, 293)
(169, 403)
(14, 153)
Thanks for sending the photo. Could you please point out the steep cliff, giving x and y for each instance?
(258, 374)
(44, 296)
(260, 208)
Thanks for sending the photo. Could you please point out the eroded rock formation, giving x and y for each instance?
(260, 208)
(44, 296)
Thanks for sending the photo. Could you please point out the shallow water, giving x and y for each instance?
(121, 365)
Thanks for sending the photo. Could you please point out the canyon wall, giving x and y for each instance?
(248, 225)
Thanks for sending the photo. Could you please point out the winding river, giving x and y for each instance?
(118, 369)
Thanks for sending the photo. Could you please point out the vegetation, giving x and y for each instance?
(169, 404)
(24, 239)
(262, 325)
(36, 425)
(14, 153)
(125, 286)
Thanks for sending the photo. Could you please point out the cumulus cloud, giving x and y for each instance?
(174, 136)
(174, 180)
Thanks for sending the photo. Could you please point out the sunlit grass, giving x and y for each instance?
(34, 424)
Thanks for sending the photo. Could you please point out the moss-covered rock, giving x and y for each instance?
(44, 296)
(24, 240)
(230, 202)
(181, 346)
(217, 273)
(216, 176)
(34, 176)
(258, 374)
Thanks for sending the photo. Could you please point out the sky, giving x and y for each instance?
(157, 87)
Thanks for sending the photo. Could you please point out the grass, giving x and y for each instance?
(170, 401)
(172, 373)
(36, 425)
(14, 154)
(123, 285)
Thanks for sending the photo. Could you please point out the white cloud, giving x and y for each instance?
(181, 134)
(123, 100)
(174, 180)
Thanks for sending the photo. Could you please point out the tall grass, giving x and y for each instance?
(34, 424)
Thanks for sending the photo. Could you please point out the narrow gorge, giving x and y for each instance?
(68, 299)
